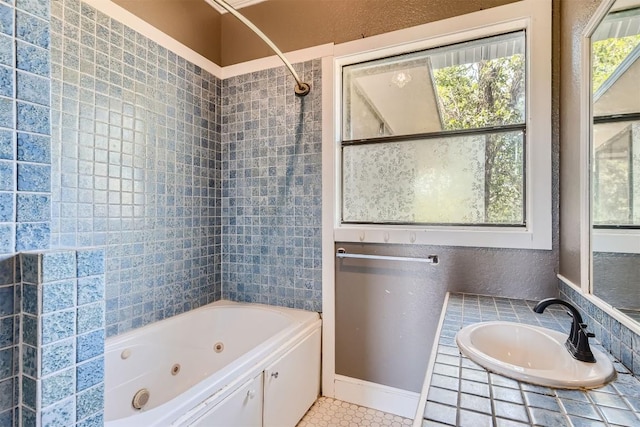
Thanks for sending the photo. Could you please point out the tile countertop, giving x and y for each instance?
(458, 392)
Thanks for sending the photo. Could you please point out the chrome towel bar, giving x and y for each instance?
(431, 259)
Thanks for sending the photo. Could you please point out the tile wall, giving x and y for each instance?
(271, 189)
(9, 339)
(620, 341)
(62, 381)
(136, 143)
(24, 169)
(25, 159)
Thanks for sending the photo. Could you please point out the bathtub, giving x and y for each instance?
(222, 364)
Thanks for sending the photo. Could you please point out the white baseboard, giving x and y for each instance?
(376, 396)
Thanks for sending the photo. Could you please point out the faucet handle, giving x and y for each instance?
(587, 333)
(578, 341)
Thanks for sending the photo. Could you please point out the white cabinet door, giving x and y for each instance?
(292, 384)
(242, 408)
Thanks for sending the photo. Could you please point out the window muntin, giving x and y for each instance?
(437, 137)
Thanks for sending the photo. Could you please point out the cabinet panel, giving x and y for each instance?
(242, 408)
(292, 383)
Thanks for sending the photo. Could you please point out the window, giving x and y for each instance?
(446, 139)
(436, 136)
(616, 122)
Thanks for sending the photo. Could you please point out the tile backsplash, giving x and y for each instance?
(136, 139)
(616, 338)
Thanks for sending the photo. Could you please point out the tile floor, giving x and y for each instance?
(327, 412)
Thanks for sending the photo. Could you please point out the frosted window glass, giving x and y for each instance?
(476, 179)
(616, 188)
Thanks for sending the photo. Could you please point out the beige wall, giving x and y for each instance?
(291, 24)
(574, 16)
(191, 22)
(296, 24)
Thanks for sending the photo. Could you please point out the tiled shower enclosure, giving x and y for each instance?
(110, 141)
(136, 136)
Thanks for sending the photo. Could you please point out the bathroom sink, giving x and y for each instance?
(531, 354)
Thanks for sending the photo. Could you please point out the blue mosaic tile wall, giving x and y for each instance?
(620, 341)
(24, 170)
(9, 339)
(272, 187)
(136, 144)
(62, 381)
(25, 161)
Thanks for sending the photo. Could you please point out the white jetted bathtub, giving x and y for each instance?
(224, 364)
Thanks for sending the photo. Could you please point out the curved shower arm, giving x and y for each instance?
(301, 88)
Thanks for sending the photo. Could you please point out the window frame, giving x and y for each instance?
(614, 238)
(615, 118)
(605, 238)
(532, 16)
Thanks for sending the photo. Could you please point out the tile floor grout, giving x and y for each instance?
(328, 412)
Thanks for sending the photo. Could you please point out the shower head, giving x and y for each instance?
(302, 89)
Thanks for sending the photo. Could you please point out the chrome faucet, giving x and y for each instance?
(578, 341)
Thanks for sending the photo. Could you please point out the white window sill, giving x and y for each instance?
(616, 241)
(487, 237)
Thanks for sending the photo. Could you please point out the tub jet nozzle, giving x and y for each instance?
(140, 399)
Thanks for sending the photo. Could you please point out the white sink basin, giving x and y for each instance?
(531, 354)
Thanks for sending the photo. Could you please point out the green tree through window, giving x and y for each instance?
(483, 94)
(608, 54)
